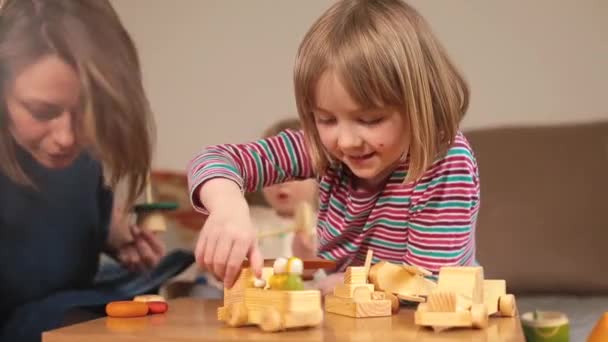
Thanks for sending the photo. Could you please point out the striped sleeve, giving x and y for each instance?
(441, 228)
(251, 166)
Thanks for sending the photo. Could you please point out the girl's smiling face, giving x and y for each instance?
(370, 141)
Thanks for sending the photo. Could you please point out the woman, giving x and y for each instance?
(74, 123)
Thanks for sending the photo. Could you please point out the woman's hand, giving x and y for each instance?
(136, 248)
(142, 253)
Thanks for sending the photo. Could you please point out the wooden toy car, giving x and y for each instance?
(406, 282)
(463, 298)
(252, 301)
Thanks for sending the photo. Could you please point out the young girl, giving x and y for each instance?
(74, 122)
(380, 104)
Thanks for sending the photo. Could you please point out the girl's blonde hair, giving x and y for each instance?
(385, 54)
(281, 125)
(89, 36)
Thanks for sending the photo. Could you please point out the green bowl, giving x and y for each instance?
(545, 326)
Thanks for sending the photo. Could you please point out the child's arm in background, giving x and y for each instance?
(217, 179)
(444, 211)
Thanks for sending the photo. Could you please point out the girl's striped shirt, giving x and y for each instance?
(429, 223)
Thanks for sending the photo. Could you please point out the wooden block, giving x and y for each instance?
(347, 307)
(465, 280)
(492, 290)
(153, 221)
(347, 290)
(355, 275)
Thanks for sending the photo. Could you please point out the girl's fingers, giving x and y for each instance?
(209, 249)
(199, 251)
(220, 258)
(234, 261)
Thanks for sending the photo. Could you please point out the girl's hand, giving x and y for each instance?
(143, 252)
(228, 235)
(327, 284)
(224, 242)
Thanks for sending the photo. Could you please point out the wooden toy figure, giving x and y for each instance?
(277, 280)
(293, 280)
(150, 214)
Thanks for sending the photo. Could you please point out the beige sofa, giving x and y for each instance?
(543, 222)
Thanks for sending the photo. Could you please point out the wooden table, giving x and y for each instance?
(195, 320)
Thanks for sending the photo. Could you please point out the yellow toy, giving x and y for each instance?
(277, 280)
(287, 274)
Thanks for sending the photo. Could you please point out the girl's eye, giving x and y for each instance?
(371, 121)
(324, 120)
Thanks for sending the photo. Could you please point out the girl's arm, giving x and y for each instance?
(444, 212)
(217, 179)
(251, 166)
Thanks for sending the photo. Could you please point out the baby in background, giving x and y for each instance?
(280, 207)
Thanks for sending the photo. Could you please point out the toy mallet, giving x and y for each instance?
(150, 213)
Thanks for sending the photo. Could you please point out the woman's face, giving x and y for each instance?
(45, 111)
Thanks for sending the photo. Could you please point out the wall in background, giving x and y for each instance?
(528, 62)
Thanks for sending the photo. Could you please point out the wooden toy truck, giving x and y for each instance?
(463, 298)
(271, 310)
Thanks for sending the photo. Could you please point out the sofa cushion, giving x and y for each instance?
(543, 221)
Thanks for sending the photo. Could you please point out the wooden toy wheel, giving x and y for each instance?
(479, 316)
(506, 305)
(271, 320)
(236, 315)
(395, 305)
